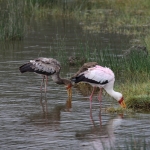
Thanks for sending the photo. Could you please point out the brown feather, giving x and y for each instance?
(84, 68)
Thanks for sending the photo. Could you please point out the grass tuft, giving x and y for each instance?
(12, 20)
(139, 103)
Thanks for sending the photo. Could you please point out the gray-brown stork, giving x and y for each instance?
(47, 67)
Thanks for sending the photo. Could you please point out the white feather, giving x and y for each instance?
(99, 74)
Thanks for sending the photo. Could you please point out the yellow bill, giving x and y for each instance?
(69, 90)
(122, 103)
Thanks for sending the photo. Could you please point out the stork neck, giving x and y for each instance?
(114, 94)
(57, 79)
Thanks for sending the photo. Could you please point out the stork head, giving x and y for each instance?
(118, 96)
(68, 85)
(122, 103)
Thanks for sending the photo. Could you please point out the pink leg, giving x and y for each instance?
(91, 98)
(100, 118)
(100, 96)
(91, 117)
(46, 83)
(100, 99)
(45, 109)
(42, 83)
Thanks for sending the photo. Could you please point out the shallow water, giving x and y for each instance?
(24, 125)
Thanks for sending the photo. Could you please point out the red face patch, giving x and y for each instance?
(69, 86)
(120, 101)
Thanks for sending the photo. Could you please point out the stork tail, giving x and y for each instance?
(26, 68)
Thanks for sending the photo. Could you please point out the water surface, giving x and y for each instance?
(23, 123)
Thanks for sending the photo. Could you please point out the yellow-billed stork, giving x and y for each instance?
(47, 67)
(98, 76)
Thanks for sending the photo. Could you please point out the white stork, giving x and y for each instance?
(101, 77)
(47, 67)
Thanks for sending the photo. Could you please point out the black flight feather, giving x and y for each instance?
(82, 78)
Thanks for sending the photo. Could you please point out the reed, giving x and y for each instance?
(59, 51)
(12, 19)
(97, 16)
(146, 41)
(131, 18)
(136, 62)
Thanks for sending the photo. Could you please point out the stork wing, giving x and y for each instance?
(84, 68)
(47, 65)
(99, 74)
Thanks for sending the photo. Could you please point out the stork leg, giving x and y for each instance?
(91, 117)
(41, 89)
(44, 104)
(46, 82)
(41, 102)
(91, 98)
(100, 118)
(42, 84)
(100, 96)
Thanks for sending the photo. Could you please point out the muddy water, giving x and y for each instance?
(24, 125)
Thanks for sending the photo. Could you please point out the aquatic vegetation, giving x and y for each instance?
(137, 94)
(117, 110)
(117, 17)
(95, 16)
(146, 40)
(139, 103)
(12, 19)
(133, 62)
(130, 18)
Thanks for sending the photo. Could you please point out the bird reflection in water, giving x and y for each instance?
(50, 118)
(100, 137)
(43, 102)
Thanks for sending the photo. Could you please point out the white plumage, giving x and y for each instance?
(99, 74)
(101, 77)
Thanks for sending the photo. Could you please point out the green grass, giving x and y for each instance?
(135, 64)
(126, 17)
(12, 19)
(122, 17)
(136, 93)
(146, 42)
